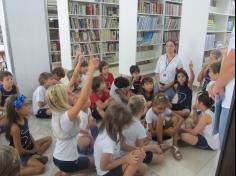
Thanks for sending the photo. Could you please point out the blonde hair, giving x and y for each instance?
(217, 54)
(57, 98)
(160, 98)
(9, 161)
(137, 104)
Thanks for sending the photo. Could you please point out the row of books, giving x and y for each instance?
(110, 11)
(55, 46)
(145, 48)
(111, 1)
(210, 41)
(76, 23)
(149, 23)
(173, 9)
(56, 57)
(231, 24)
(54, 34)
(111, 58)
(146, 38)
(110, 47)
(85, 36)
(77, 8)
(109, 35)
(110, 23)
(172, 23)
(171, 36)
(211, 23)
(53, 23)
(86, 48)
(150, 7)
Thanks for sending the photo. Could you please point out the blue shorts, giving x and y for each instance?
(25, 159)
(202, 143)
(82, 163)
(148, 158)
(42, 114)
(115, 172)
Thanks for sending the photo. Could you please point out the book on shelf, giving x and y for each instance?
(110, 47)
(172, 23)
(53, 23)
(111, 58)
(55, 46)
(110, 11)
(210, 42)
(173, 9)
(54, 34)
(149, 38)
(56, 57)
(171, 36)
(231, 24)
(79, 8)
(86, 48)
(76, 23)
(111, 1)
(145, 48)
(85, 36)
(150, 7)
(149, 23)
(211, 23)
(110, 23)
(109, 35)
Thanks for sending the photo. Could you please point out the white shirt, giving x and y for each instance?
(229, 89)
(104, 144)
(114, 94)
(65, 149)
(152, 117)
(168, 71)
(84, 120)
(135, 131)
(82, 80)
(39, 96)
(209, 85)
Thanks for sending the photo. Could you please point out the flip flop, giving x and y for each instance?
(176, 153)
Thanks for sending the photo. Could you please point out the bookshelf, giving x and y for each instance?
(92, 25)
(211, 29)
(53, 26)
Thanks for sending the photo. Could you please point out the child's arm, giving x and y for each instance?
(15, 133)
(192, 76)
(85, 93)
(202, 73)
(127, 148)
(104, 105)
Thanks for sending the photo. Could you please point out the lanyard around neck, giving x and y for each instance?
(167, 64)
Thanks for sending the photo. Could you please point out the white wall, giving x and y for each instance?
(27, 41)
(193, 32)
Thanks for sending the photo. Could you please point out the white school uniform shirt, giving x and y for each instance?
(39, 95)
(135, 131)
(65, 132)
(104, 144)
(114, 94)
(167, 70)
(84, 120)
(229, 89)
(209, 85)
(212, 140)
(82, 80)
(152, 117)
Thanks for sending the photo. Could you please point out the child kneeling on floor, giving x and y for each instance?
(66, 124)
(107, 150)
(136, 136)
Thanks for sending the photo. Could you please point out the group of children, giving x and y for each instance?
(108, 123)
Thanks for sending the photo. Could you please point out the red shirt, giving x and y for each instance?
(95, 97)
(109, 79)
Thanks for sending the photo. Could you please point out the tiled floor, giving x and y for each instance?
(195, 163)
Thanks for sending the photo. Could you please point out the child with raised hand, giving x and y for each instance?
(107, 150)
(215, 56)
(162, 121)
(147, 90)
(120, 90)
(17, 132)
(214, 73)
(135, 79)
(201, 134)
(105, 74)
(100, 98)
(136, 136)
(183, 87)
(66, 124)
(40, 107)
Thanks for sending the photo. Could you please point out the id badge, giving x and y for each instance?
(165, 76)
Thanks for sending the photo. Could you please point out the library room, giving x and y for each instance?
(117, 87)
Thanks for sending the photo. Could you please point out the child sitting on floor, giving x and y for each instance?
(58, 74)
(105, 74)
(214, 73)
(40, 106)
(164, 122)
(147, 90)
(135, 79)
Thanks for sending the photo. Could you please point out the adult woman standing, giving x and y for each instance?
(166, 68)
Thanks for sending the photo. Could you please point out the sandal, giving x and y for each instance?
(165, 147)
(176, 153)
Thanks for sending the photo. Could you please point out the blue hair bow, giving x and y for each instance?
(19, 101)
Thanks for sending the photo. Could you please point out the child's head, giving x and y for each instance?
(160, 103)
(204, 101)
(6, 79)
(58, 73)
(122, 84)
(182, 78)
(46, 79)
(10, 161)
(214, 71)
(104, 67)
(117, 118)
(215, 56)
(57, 98)
(147, 85)
(17, 108)
(137, 105)
(135, 71)
(84, 68)
(98, 84)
